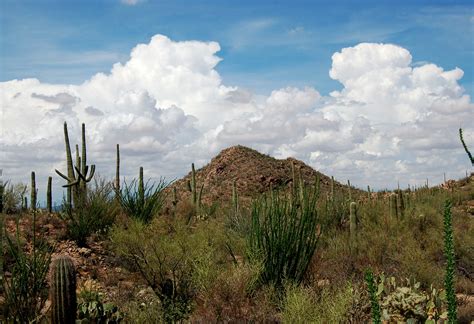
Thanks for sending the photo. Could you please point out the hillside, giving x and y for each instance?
(253, 172)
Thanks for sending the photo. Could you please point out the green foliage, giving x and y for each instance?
(26, 291)
(283, 235)
(465, 147)
(450, 263)
(305, 305)
(13, 197)
(175, 259)
(92, 309)
(97, 215)
(63, 290)
(142, 201)
(375, 307)
(408, 302)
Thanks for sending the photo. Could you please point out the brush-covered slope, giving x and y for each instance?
(253, 172)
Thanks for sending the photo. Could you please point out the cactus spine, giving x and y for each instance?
(77, 176)
(49, 200)
(63, 291)
(33, 191)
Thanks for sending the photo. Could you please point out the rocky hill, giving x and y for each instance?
(253, 172)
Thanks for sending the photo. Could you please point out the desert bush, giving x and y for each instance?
(283, 235)
(307, 305)
(26, 290)
(142, 201)
(96, 216)
(13, 196)
(176, 260)
(92, 309)
(234, 297)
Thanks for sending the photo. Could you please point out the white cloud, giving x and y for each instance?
(167, 107)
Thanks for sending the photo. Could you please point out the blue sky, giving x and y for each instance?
(371, 91)
(264, 44)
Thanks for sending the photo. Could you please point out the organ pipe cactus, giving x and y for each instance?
(49, 199)
(63, 291)
(33, 191)
(77, 176)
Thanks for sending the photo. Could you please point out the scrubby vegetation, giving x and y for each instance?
(305, 250)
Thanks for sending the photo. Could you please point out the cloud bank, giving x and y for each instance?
(167, 106)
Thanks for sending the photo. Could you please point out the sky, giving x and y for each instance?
(370, 91)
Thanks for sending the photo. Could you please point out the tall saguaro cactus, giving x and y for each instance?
(117, 171)
(49, 200)
(353, 221)
(63, 291)
(77, 176)
(192, 187)
(2, 189)
(33, 191)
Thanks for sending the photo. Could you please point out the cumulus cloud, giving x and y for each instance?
(167, 106)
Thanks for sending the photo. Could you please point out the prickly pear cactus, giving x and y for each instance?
(63, 291)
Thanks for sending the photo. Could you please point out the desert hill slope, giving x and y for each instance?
(253, 172)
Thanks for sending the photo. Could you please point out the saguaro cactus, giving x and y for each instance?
(353, 221)
(393, 205)
(2, 189)
(33, 191)
(49, 200)
(77, 176)
(141, 187)
(117, 171)
(63, 291)
(192, 187)
(235, 198)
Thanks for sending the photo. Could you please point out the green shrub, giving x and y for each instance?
(26, 291)
(92, 309)
(176, 260)
(97, 215)
(283, 235)
(13, 196)
(142, 203)
(310, 305)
